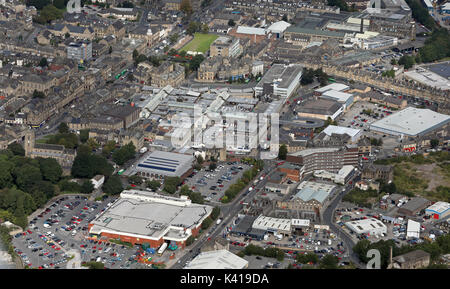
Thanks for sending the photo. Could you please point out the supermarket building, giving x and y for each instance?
(142, 217)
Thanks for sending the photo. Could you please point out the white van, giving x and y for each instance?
(46, 225)
(74, 232)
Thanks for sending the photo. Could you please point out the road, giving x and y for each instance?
(228, 211)
(328, 219)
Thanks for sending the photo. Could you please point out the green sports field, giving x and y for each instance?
(200, 43)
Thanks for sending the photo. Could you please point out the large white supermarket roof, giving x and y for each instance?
(411, 121)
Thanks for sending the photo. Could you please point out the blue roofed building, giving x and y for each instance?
(309, 200)
(160, 164)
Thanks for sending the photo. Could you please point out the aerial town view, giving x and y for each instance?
(225, 134)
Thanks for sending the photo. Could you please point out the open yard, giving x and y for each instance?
(422, 176)
(200, 43)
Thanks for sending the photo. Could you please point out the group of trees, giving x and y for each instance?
(420, 14)
(197, 27)
(88, 164)
(342, 5)
(195, 197)
(124, 154)
(153, 184)
(440, 247)
(282, 152)
(376, 142)
(436, 47)
(25, 184)
(246, 178)
(361, 198)
(309, 75)
(171, 184)
(50, 12)
(259, 251)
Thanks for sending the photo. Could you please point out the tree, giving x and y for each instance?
(329, 262)
(110, 50)
(215, 213)
(49, 13)
(285, 18)
(174, 38)
(108, 148)
(434, 143)
(394, 61)
(135, 54)
(153, 185)
(195, 62)
(27, 176)
(63, 128)
(186, 7)
(200, 160)
(113, 185)
(87, 187)
(206, 223)
(94, 265)
(190, 240)
(124, 154)
(60, 4)
(84, 135)
(205, 28)
(38, 94)
(307, 258)
(406, 61)
(171, 184)
(282, 152)
(135, 180)
(212, 166)
(50, 169)
(16, 149)
(231, 23)
(43, 62)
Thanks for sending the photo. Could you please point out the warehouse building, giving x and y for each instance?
(272, 225)
(220, 259)
(280, 80)
(369, 226)
(159, 164)
(346, 99)
(414, 206)
(411, 122)
(142, 217)
(321, 109)
(438, 210)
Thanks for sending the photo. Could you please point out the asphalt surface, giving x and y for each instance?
(228, 212)
(328, 219)
(58, 244)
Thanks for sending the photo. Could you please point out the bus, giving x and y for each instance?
(332, 80)
(122, 73)
(162, 249)
(120, 172)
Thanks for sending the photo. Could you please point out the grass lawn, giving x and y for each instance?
(44, 139)
(200, 43)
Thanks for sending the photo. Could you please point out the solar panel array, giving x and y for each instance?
(158, 163)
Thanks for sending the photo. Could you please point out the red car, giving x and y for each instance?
(364, 158)
(29, 232)
(133, 185)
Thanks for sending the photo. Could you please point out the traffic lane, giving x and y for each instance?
(232, 208)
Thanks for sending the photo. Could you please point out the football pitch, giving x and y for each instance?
(200, 43)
